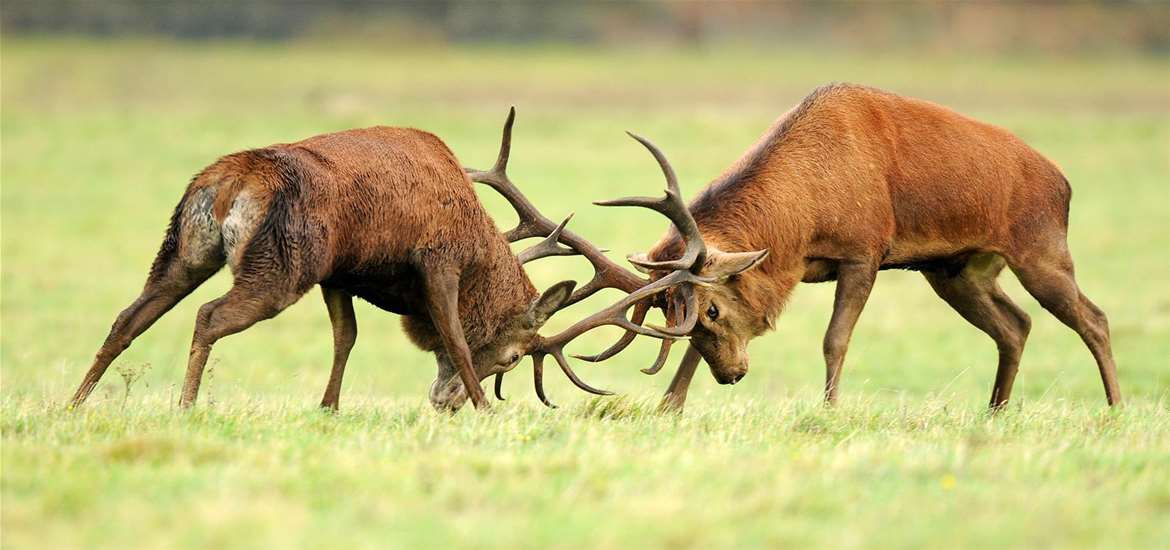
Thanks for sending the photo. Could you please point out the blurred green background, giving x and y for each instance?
(108, 109)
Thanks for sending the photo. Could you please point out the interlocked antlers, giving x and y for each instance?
(534, 224)
(607, 274)
(681, 311)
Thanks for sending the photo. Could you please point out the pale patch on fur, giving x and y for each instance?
(199, 234)
(238, 226)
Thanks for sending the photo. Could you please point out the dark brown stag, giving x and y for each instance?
(384, 214)
(856, 180)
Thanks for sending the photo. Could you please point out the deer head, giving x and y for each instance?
(706, 303)
(512, 341)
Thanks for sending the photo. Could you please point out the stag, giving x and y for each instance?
(383, 214)
(856, 180)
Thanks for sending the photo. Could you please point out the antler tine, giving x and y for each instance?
(559, 356)
(638, 317)
(500, 386)
(538, 377)
(687, 323)
(684, 316)
(532, 223)
(615, 315)
(501, 165)
(660, 361)
(548, 246)
(628, 337)
(538, 380)
(683, 327)
(672, 206)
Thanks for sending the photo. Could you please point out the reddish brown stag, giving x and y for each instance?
(384, 214)
(855, 180)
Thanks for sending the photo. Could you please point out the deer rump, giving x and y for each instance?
(308, 213)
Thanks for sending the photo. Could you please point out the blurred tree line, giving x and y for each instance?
(1074, 27)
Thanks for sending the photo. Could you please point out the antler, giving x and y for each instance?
(500, 386)
(639, 316)
(607, 274)
(532, 223)
(683, 315)
(615, 315)
(672, 206)
(548, 247)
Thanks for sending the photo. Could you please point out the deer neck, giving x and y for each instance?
(492, 294)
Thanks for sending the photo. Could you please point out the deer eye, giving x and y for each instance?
(712, 312)
(515, 357)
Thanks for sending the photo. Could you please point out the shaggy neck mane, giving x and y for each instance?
(498, 291)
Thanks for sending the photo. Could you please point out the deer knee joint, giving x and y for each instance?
(1025, 326)
(203, 324)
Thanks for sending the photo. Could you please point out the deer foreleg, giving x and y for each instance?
(443, 305)
(676, 393)
(854, 282)
(340, 306)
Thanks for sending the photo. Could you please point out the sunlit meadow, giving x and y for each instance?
(99, 139)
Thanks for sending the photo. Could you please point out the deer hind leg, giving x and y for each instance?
(340, 306)
(190, 256)
(975, 295)
(243, 306)
(159, 296)
(1049, 278)
(854, 283)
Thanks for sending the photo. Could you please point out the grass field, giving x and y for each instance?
(99, 139)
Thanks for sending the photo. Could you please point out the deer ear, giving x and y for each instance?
(722, 265)
(552, 300)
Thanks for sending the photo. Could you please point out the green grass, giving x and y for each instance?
(99, 138)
